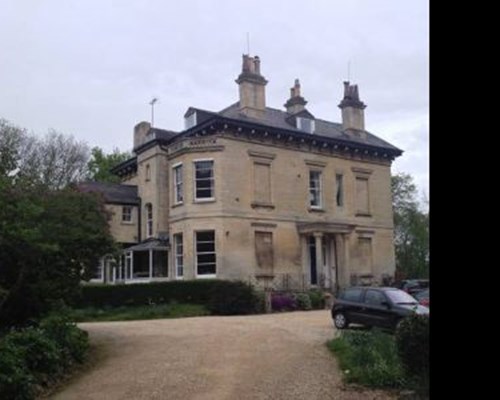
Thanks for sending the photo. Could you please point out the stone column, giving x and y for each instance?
(305, 279)
(319, 254)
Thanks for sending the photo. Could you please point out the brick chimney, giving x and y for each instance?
(140, 132)
(296, 102)
(252, 87)
(353, 116)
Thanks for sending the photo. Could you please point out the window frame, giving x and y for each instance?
(195, 180)
(130, 213)
(301, 127)
(178, 265)
(178, 186)
(149, 219)
(319, 189)
(197, 274)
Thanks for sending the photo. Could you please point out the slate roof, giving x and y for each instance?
(112, 192)
(278, 119)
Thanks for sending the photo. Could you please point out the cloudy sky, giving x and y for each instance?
(89, 68)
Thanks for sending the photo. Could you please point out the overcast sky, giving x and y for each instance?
(89, 68)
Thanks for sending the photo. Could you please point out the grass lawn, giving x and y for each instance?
(138, 312)
(369, 358)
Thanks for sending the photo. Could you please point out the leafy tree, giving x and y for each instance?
(53, 161)
(100, 165)
(50, 238)
(49, 242)
(411, 229)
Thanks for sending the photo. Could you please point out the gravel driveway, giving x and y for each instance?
(274, 356)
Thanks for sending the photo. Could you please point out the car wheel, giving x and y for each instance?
(340, 321)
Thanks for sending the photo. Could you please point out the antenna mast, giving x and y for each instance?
(152, 104)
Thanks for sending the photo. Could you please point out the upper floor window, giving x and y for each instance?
(340, 190)
(178, 184)
(306, 124)
(190, 120)
(362, 196)
(126, 214)
(315, 187)
(149, 220)
(148, 172)
(204, 180)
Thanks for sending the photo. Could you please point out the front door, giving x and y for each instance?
(313, 264)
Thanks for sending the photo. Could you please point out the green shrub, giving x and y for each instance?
(232, 298)
(412, 338)
(41, 355)
(36, 356)
(220, 297)
(140, 294)
(317, 299)
(369, 358)
(303, 301)
(73, 342)
(16, 381)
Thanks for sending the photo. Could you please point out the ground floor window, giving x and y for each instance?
(179, 255)
(205, 253)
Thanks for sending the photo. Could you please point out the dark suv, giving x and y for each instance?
(383, 307)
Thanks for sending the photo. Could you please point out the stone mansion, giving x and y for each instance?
(255, 193)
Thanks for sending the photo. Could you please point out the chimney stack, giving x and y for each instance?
(353, 116)
(252, 87)
(296, 102)
(140, 132)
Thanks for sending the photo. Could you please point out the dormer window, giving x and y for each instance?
(190, 120)
(305, 124)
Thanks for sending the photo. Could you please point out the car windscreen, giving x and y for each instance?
(400, 297)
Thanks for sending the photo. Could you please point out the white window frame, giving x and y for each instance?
(178, 186)
(204, 199)
(127, 221)
(179, 266)
(319, 189)
(302, 128)
(149, 220)
(204, 276)
(190, 120)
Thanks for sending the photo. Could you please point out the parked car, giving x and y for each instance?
(383, 307)
(423, 298)
(413, 286)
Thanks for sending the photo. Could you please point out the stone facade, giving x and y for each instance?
(242, 198)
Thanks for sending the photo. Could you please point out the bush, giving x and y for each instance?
(283, 302)
(412, 338)
(16, 381)
(303, 301)
(35, 356)
(73, 342)
(232, 298)
(369, 358)
(317, 299)
(41, 355)
(187, 292)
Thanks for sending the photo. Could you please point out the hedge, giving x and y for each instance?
(220, 297)
(35, 357)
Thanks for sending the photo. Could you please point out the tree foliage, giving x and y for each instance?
(52, 161)
(50, 238)
(411, 229)
(100, 164)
